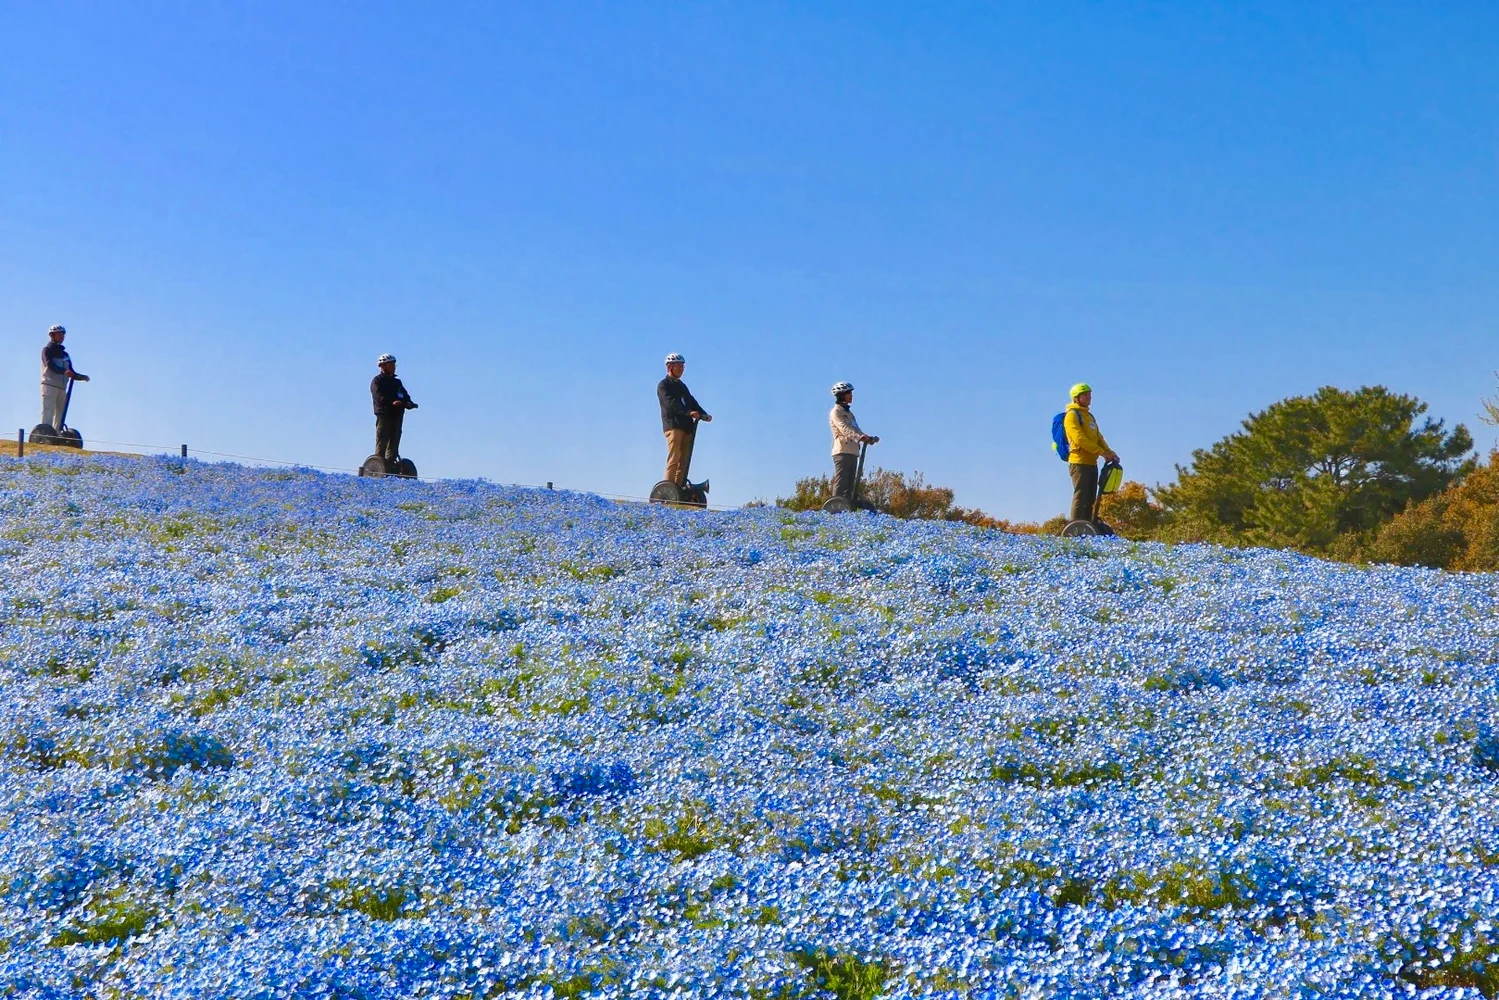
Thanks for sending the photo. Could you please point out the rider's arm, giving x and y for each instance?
(845, 427)
(1081, 437)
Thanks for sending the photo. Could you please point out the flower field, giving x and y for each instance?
(281, 734)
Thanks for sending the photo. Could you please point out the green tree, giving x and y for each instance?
(1318, 473)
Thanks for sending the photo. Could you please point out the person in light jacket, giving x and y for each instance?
(57, 371)
(847, 436)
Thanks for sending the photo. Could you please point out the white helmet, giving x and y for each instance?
(385, 358)
(56, 328)
(675, 359)
(839, 388)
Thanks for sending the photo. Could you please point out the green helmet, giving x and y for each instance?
(1079, 389)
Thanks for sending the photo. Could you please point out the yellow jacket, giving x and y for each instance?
(1084, 442)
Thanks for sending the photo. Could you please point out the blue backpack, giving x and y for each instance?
(1059, 436)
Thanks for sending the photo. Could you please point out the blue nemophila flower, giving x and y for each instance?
(279, 734)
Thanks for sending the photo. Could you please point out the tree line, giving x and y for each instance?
(1359, 476)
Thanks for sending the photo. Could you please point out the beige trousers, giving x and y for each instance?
(54, 399)
(678, 452)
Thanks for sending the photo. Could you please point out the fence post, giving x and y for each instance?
(20, 442)
(184, 451)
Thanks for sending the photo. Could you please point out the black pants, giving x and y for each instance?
(845, 469)
(388, 434)
(1084, 491)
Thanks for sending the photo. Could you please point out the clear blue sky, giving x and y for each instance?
(962, 208)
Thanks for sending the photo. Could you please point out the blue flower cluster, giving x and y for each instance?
(281, 734)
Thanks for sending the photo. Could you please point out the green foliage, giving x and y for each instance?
(376, 903)
(847, 977)
(107, 919)
(1465, 959)
(1317, 473)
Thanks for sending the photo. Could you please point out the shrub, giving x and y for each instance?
(1458, 529)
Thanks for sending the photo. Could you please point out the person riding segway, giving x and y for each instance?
(680, 415)
(391, 403)
(849, 446)
(58, 377)
(1078, 440)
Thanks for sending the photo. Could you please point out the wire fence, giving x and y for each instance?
(185, 451)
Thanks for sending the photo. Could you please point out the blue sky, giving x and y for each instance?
(961, 208)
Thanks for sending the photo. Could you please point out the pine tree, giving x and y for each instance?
(1317, 473)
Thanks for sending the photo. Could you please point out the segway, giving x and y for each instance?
(692, 494)
(62, 435)
(1109, 478)
(840, 505)
(378, 467)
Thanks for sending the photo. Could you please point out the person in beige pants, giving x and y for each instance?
(680, 413)
(57, 371)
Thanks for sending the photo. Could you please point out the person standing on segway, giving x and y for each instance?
(847, 437)
(57, 372)
(1086, 444)
(680, 413)
(391, 403)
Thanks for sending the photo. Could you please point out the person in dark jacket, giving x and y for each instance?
(391, 403)
(680, 413)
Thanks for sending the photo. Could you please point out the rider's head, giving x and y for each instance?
(1082, 394)
(843, 392)
(675, 364)
(387, 363)
(57, 333)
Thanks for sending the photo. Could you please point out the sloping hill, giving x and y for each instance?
(285, 734)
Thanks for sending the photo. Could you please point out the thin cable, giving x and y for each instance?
(270, 461)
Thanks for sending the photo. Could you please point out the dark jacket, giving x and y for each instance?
(385, 390)
(676, 404)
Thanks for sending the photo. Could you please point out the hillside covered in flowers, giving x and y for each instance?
(282, 734)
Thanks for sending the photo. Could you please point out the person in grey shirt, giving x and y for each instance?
(57, 371)
(846, 440)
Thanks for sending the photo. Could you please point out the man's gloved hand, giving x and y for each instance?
(410, 405)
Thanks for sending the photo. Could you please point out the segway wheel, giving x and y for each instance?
(837, 505)
(666, 491)
(70, 438)
(405, 468)
(375, 467)
(1079, 529)
(42, 434)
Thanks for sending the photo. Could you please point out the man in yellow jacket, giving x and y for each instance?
(1085, 444)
